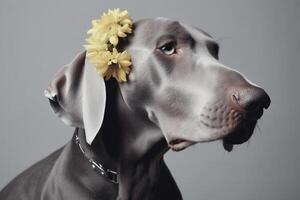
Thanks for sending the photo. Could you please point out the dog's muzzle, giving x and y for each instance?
(250, 102)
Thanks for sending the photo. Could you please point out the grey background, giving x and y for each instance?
(260, 38)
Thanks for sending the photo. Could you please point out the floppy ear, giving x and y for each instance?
(77, 96)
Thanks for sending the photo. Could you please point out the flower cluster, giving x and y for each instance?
(101, 47)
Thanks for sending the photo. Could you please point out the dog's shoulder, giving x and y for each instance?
(29, 183)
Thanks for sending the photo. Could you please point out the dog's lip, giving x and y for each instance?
(179, 144)
(255, 115)
(240, 135)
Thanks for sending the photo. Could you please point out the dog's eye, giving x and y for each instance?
(168, 48)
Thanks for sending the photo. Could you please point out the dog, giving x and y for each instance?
(178, 94)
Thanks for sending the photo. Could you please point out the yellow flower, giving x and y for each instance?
(112, 64)
(111, 26)
(102, 42)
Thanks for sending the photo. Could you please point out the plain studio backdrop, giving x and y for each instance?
(260, 38)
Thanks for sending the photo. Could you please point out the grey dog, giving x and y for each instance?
(177, 94)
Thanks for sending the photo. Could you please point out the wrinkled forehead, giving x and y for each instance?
(149, 31)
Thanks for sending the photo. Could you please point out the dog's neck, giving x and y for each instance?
(131, 145)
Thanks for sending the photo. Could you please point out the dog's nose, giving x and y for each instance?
(251, 99)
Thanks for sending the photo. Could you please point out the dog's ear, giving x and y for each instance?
(77, 96)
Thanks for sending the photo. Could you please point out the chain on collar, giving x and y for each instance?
(109, 174)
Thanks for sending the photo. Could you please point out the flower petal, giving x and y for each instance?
(121, 34)
(114, 40)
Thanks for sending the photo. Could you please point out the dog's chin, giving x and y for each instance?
(180, 144)
(240, 135)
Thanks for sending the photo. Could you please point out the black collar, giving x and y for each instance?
(109, 174)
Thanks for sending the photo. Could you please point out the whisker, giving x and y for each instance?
(248, 144)
(248, 141)
(258, 128)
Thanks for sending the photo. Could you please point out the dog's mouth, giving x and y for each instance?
(180, 144)
(239, 135)
(240, 132)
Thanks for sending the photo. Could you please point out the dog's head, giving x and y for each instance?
(176, 79)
